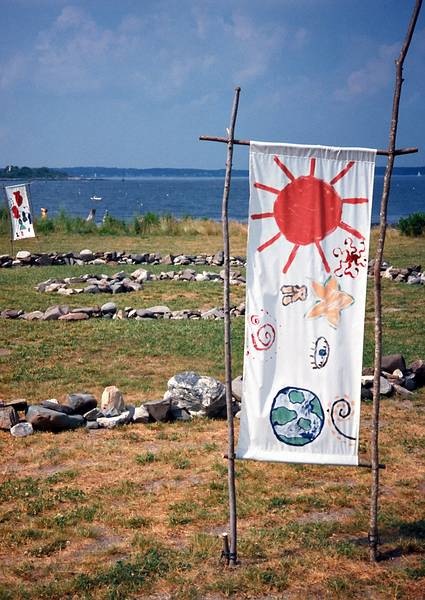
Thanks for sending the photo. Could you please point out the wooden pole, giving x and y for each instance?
(373, 530)
(227, 340)
(211, 138)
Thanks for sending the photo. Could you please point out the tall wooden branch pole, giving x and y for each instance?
(373, 531)
(227, 340)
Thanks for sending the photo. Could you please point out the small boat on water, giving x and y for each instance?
(95, 198)
(419, 174)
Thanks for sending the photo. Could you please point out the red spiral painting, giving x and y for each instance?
(264, 335)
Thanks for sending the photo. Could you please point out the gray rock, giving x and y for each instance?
(159, 310)
(110, 422)
(92, 289)
(108, 308)
(199, 394)
(385, 387)
(410, 382)
(86, 255)
(418, 368)
(11, 313)
(213, 313)
(141, 414)
(179, 414)
(74, 316)
(392, 362)
(44, 419)
(22, 429)
(63, 408)
(88, 310)
(8, 417)
(218, 258)
(158, 409)
(93, 414)
(112, 398)
(141, 275)
(54, 312)
(17, 404)
(81, 402)
(237, 388)
(144, 313)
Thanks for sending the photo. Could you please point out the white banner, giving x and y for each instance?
(308, 242)
(20, 212)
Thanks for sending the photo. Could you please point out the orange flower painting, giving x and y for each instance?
(332, 300)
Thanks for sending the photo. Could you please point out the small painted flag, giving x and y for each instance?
(20, 212)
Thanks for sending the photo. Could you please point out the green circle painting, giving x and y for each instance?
(296, 416)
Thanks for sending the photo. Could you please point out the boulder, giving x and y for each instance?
(108, 308)
(159, 310)
(158, 409)
(199, 394)
(63, 408)
(110, 422)
(8, 417)
(141, 275)
(112, 398)
(410, 382)
(385, 387)
(17, 404)
(23, 255)
(93, 414)
(179, 414)
(34, 315)
(11, 313)
(141, 414)
(86, 255)
(81, 402)
(74, 316)
(54, 312)
(22, 429)
(418, 368)
(45, 419)
(237, 388)
(218, 258)
(144, 313)
(392, 362)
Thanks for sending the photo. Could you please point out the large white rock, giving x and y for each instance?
(200, 395)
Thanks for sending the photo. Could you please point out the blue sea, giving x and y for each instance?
(195, 196)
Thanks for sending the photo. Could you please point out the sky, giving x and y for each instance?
(133, 83)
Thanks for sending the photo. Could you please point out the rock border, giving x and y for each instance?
(109, 310)
(410, 274)
(122, 282)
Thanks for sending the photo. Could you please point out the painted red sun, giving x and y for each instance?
(307, 210)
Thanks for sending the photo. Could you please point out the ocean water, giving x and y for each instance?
(195, 196)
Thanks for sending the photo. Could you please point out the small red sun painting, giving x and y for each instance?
(307, 210)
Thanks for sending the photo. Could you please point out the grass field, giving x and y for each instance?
(135, 512)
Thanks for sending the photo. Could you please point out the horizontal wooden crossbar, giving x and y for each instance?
(362, 463)
(209, 138)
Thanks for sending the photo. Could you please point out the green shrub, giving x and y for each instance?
(413, 225)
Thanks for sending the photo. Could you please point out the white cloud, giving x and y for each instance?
(375, 75)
